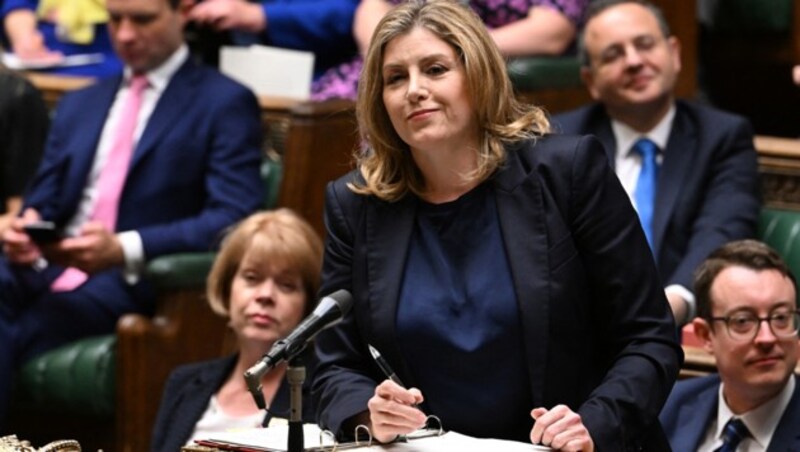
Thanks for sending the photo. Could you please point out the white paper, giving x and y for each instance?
(270, 71)
(13, 62)
(461, 443)
(275, 438)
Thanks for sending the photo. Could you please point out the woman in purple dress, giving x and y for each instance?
(519, 28)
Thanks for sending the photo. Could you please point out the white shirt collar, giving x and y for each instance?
(159, 77)
(625, 136)
(761, 421)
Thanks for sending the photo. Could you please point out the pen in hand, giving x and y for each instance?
(379, 359)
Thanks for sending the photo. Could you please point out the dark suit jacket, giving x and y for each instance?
(598, 333)
(708, 186)
(188, 392)
(693, 405)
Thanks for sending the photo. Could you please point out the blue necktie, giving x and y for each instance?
(735, 431)
(645, 193)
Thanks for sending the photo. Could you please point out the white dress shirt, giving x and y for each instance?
(761, 422)
(628, 165)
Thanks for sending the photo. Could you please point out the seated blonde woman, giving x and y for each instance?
(264, 281)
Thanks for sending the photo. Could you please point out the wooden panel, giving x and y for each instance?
(682, 19)
(319, 148)
(779, 167)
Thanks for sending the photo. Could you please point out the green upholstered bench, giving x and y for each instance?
(780, 229)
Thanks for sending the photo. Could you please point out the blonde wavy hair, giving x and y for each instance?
(279, 236)
(385, 161)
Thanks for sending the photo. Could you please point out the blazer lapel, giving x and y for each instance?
(787, 433)
(694, 418)
(172, 104)
(677, 159)
(520, 206)
(388, 233)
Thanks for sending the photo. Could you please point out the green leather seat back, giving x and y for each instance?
(542, 72)
(780, 229)
(271, 174)
(75, 378)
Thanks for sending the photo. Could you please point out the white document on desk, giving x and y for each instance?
(14, 62)
(462, 443)
(275, 439)
(270, 71)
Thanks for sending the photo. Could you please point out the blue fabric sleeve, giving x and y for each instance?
(6, 6)
(313, 25)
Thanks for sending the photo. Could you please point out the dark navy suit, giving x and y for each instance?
(708, 186)
(189, 389)
(598, 334)
(194, 172)
(693, 405)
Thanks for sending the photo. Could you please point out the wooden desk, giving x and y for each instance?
(54, 86)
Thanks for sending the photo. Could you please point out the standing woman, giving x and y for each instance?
(500, 270)
(263, 280)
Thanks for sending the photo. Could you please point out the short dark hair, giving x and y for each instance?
(750, 254)
(598, 6)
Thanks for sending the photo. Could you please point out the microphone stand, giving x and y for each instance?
(296, 375)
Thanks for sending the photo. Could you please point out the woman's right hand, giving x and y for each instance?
(393, 411)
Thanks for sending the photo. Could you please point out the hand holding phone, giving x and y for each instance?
(43, 232)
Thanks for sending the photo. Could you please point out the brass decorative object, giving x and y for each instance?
(13, 444)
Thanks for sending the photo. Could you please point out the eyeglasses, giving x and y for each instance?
(744, 325)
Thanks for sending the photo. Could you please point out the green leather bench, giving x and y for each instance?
(780, 229)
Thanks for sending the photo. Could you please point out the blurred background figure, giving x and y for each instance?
(519, 28)
(319, 26)
(42, 32)
(23, 128)
(264, 281)
(682, 163)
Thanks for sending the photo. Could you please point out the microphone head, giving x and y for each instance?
(337, 304)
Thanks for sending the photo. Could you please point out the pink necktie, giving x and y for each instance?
(112, 177)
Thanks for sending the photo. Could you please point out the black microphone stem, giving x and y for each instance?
(296, 375)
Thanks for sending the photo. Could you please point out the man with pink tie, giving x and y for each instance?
(159, 159)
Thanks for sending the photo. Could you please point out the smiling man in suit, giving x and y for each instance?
(690, 170)
(748, 319)
(158, 160)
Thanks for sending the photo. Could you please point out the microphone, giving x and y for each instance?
(329, 311)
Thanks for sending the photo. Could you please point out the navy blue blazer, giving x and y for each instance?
(188, 392)
(708, 186)
(693, 405)
(598, 333)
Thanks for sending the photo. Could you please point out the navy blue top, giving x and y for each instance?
(458, 321)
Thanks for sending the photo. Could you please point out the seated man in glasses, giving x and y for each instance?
(748, 319)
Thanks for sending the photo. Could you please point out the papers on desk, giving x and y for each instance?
(270, 71)
(267, 439)
(13, 62)
(274, 439)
